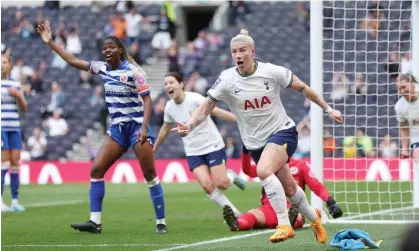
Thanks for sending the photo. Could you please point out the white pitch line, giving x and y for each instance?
(375, 213)
(201, 243)
(88, 245)
(55, 203)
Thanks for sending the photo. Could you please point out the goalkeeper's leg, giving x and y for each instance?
(257, 218)
(299, 201)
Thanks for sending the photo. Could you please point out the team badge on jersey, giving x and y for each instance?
(141, 84)
(294, 170)
(123, 78)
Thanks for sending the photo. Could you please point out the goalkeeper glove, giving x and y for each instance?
(334, 209)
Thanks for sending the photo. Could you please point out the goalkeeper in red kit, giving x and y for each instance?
(265, 216)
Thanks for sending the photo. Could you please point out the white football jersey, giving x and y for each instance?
(409, 112)
(254, 100)
(203, 139)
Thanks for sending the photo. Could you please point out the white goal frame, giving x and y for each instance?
(317, 116)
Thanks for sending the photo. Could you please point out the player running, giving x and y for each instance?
(12, 99)
(204, 147)
(251, 90)
(124, 84)
(407, 111)
(264, 216)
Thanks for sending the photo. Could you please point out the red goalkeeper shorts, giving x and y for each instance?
(270, 216)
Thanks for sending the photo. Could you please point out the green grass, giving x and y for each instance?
(128, 218)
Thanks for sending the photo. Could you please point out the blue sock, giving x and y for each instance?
(157, 196)
(14, 184)
(97, 192)
(3, 175)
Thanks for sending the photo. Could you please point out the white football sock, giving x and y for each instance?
(15, 202)
(299, 201)
(231, 175)
(161, 221)
(221, 200)
(96, 217)
(276, 195)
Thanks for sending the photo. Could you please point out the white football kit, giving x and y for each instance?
(205, 138)
(255, 101)
(409, 112)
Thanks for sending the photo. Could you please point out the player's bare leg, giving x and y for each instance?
(203, 175)
(5, 165)
(274, 156)
(299, 201)
(223, 178)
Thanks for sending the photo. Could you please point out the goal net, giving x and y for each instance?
(366, 44)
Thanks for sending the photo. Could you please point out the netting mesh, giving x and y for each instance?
(367, 44)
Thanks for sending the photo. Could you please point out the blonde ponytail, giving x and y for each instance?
(244, 32)
(243, 36)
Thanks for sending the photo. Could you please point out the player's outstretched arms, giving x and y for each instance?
(44, 30)
(301, 87)
(223, 114)
(198, 116)
(163, 133)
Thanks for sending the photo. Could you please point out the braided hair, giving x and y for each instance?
(125, 55)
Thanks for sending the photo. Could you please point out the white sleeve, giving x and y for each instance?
(282, 75)
(167, 117)
(400, 116)
(95, 66)
(218, 90)
(197, 98)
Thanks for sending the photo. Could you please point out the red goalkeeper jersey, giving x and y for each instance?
(299, 170)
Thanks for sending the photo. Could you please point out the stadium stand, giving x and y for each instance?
(272, 38)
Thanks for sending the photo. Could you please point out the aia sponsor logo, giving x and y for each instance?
(256, 103)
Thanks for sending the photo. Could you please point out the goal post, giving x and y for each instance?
(415, 72)
(352, 40)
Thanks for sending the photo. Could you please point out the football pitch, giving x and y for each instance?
(194, 222)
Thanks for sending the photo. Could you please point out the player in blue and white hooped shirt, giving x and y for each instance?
(11, 142)
(125, 83)
(204, 147)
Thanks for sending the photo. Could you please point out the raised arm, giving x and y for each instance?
(163, 133)
(44, 30)
(201, 113)
(301, 87)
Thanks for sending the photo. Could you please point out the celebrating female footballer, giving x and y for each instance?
(204, 147)
(124, 84)
(251, 90)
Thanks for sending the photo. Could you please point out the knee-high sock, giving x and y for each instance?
(97, 192)
(157, 196)
(299, 201)
(14, 183)
(247, 221)
(4, 169)
(220, 199)
(276, 195)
